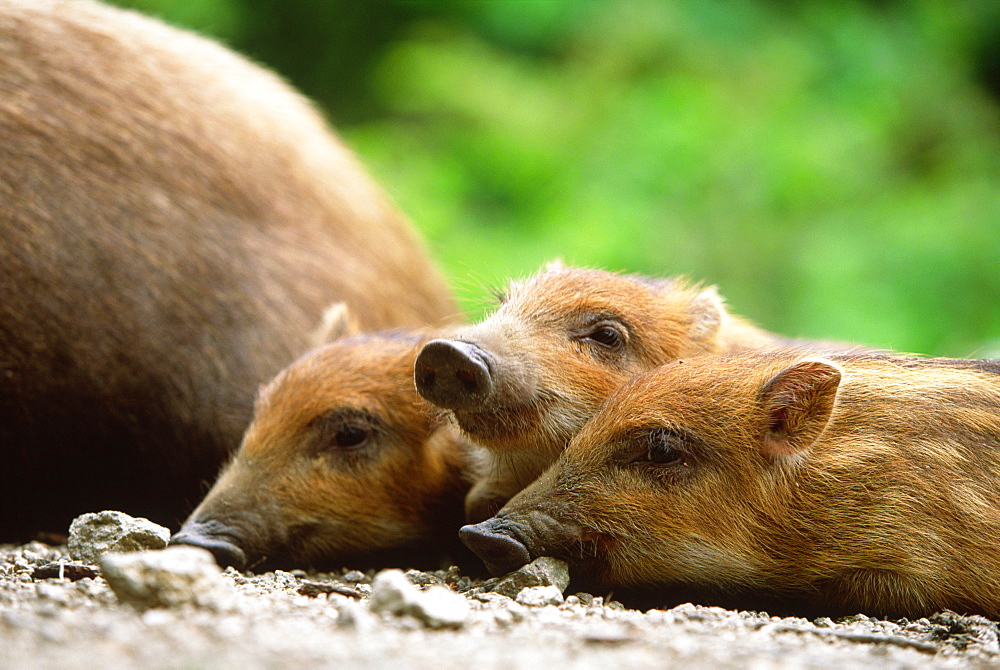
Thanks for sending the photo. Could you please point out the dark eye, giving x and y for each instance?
(345, 430)
(664, 447)
(348, 436)
(606, 335)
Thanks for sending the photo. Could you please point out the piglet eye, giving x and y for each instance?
(607, 335)
(345, 429)
(348, 437)
(664, 447)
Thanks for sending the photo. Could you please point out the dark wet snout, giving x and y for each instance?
(453, 374)
(501, 552)
(215, 538)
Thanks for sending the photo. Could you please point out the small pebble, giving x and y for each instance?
(538, 596)
(543, 571)
(436, 607)
(422, 578)
(172, 577)
(91, 535)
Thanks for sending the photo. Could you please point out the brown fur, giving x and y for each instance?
(174, 221)
(294, 495)
(858, 482)
(552, 376)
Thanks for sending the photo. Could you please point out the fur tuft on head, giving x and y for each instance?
(337, 323)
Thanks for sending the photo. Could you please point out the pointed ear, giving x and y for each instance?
(337, 322)
(707, 312)
(555, 265)
(798, 403)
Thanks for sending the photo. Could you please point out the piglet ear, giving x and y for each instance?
(337, 322)
(706, 311)
(797, 403)
(703, 308)
(555, 265)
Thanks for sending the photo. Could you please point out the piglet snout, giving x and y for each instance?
(226, 553)
(500, 552)
(453, 374)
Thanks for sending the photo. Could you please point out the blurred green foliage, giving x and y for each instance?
(834, 167)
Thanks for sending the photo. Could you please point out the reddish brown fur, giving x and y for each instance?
(293, 494)
(552, 377)
(863, 483)
(174, 220)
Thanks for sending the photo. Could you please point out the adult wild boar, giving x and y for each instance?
(524, 381)
(173, 220)
(849, 483)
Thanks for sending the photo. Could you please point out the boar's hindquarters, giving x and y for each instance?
(453, 374)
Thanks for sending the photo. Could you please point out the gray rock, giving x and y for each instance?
(435, 607)
(538, 596)
(543, 571)
(440, 607)
(549, 571)
(170, 578)
(391, 592)
(355, 577)
(423, 578)
(91, 535)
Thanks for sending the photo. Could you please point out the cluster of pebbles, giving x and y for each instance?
(115, 597)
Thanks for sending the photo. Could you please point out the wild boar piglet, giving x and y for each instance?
(524, 381)
(343, 461)
(854, 482)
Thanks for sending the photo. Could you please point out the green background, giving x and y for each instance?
(832, 166)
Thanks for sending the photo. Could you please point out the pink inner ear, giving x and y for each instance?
(776, 439)
(798, 402)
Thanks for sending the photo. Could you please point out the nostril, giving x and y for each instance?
(452, 374)
(501, 553)
(468, 379)
(225, 552)
(426, 376)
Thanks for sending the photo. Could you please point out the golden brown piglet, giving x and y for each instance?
(342, 460)
(524, 381)
(852, 482)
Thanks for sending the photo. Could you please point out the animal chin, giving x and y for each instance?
(508, 426)
(303, 541)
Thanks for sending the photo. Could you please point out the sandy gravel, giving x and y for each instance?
(298, 619)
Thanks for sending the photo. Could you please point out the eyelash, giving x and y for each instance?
(608, 336)
(351, 437)
(670, 445)
(346, 432)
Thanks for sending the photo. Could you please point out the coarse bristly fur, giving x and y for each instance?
(173, 221)
(853, 482)
(343, 460)
(565, 339)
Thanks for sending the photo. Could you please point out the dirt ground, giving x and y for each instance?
(298, 619)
